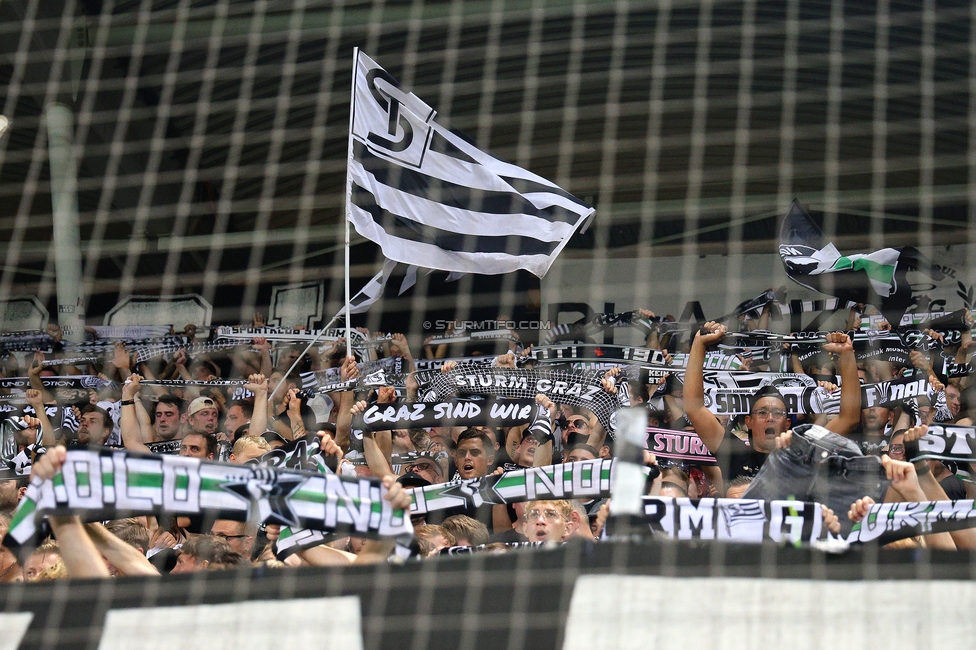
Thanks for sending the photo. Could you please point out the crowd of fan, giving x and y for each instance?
(240, 423)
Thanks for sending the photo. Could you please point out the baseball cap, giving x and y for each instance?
(273, 436)
(413, 480)
(200, 404)
(765, 391)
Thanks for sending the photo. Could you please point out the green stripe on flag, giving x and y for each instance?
(24, 512)
(883, 273)
(142, 480)
(209, 484)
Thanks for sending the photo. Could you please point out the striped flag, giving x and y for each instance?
(429, 197)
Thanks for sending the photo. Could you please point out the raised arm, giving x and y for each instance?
(348, 371)
(293, 407)
(378, 550)
(34, 398)
(377, 459)
(401, 342)
(134, 437)
(964, 538)
(80, 556)
(850, 388)
(34, 377)
(258, 385)
(541, 429)
(709, 429)
(125, 558)
(905, 487)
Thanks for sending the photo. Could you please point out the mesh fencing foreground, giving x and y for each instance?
(206, 147)
(609, 595)
(210, 136)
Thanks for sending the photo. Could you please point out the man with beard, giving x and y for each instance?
(12, 489)
(768, 417)
(94, 427)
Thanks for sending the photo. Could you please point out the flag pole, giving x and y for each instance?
(352, 115)
(352, 103)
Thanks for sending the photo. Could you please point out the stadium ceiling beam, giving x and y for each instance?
(32, 250)
(239, 23)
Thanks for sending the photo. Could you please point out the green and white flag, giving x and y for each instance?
(111, 484)
(889, 522)
(877, 278)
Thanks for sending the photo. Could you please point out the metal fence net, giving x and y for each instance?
(177, 162)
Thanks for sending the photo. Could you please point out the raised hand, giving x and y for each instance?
(915, 433)
(859, 509)
(903, 478)
(349, 369)
(784, 439)
(398, 497)
(838, 343)
(609, 380)
(329, 446)
(386, 395)
(358, 408)
(257, 383)
(715, 333)
(401, 342)
(35, 367)
(547, 404)
(180, 358)
(120, 357)
(46, 466)
(506, 360)
(34, 399)
(828, 386)
(131, 387)
(830, 520)
(936, 336)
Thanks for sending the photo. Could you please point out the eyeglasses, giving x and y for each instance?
(776, 413)
(578, 423)
(424, 467)
(228, 537)
(898, 449)
(548, 515)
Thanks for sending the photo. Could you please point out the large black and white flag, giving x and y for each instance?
(429, 197)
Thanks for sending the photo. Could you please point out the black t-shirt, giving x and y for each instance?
(508, 537)
(482, 514)
(736, 458)
(869, 445)
(953, 487)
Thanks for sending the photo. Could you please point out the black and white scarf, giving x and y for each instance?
(580, 389)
